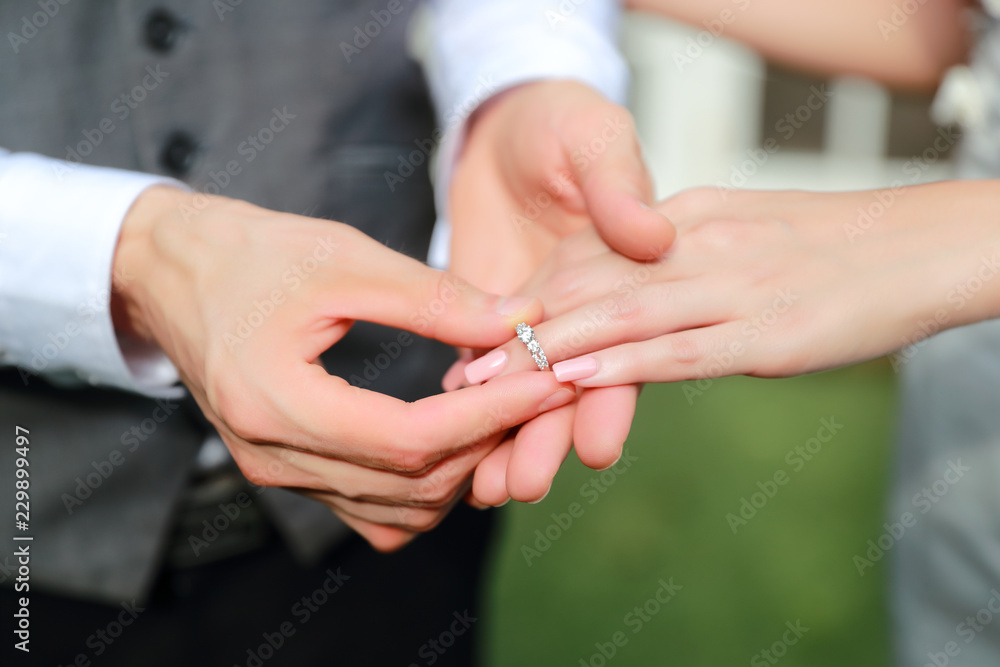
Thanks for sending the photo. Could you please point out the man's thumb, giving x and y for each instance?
(618, 193)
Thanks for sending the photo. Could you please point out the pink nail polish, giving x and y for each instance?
(487, 367)
(576, 369)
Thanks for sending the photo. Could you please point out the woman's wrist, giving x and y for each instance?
(967, 240)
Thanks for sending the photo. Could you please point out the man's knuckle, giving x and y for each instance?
(408, 460)
(424, 520)
(256, 472)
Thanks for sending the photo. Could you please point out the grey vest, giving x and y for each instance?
(302, 107)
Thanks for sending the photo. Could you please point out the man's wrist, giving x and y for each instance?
(134, 257)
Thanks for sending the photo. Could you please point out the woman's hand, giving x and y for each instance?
(770, 284)
(776, 284)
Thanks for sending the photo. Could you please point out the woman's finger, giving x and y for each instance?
(540, 448)
(489, 484)
(628, 316)
(711, 352)
(603, 421)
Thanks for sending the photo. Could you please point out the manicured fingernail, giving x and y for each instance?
(503, 503)
(535, 502)
(514, 305)
(557, 400)
(486, 367)
(576, 369)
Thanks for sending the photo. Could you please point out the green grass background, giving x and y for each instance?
(665, 517)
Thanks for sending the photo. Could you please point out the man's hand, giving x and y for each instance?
(542, 162)
(244, 300)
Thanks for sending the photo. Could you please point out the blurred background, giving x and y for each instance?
(589, 561)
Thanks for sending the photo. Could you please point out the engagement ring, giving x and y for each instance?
(527, 336)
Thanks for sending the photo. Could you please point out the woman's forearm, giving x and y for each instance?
(874, 38)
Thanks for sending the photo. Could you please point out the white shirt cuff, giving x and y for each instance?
(484, 48)
(59, 226)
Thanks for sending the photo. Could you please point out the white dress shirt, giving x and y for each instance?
(482, 48)
(59, 222)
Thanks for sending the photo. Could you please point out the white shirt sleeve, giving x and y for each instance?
(481, 48)
(59, 226)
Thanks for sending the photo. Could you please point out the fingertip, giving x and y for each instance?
(602, 424)
(489, 484)
(661, 231)
(384, 539)
(455, 377)
(544, 495)
(471, 500)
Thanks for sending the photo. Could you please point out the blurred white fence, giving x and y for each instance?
(698, 102)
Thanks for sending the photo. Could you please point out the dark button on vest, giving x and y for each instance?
(178, 154)
(161, 30)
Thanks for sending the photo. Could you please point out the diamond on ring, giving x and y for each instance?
(527, 336)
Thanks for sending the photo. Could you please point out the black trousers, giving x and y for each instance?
(419, 606)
